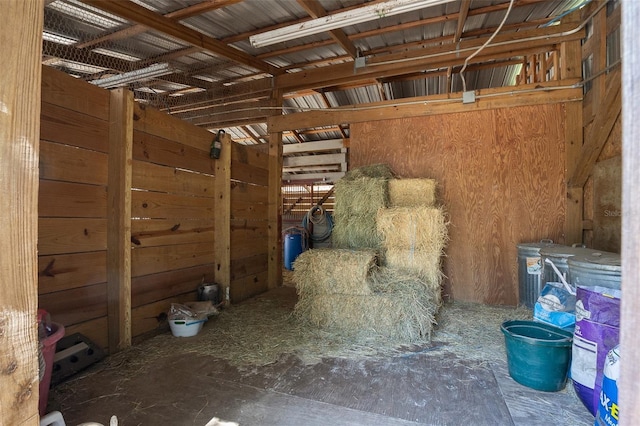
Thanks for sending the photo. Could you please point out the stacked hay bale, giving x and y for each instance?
(359, 195)
(344, 290)
(413, 230)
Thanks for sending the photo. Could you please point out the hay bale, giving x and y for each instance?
(422, 229)
(402, 309)
(425, 265)
(356, 208)
(335, 271)
(412, 192)
(371, 171)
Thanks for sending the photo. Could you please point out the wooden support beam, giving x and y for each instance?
(315, 10)
(274, 213)
(133, 12)
(247, 131)
(176, 15)
(503, 46)
(222, 218)
(430, 105)
(20, 71)
(572, 68)
(598, 133)
(629, 385)
(462, 18)
(119, 219)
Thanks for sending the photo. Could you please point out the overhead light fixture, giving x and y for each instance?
(142, 74)
(341, 19)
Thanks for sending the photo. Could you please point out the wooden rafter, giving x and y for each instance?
(177, 15)
(462, 19)
(247, 131)
(141, 15)
(315, 10)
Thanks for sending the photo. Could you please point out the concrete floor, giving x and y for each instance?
(429, 384)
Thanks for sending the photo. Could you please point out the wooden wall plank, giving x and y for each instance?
(161, 232)
(607, 205)
(501, 176)
(151, 288)
(71, 235)
(70, 127)
(119, 219)
(248, 242)
(251, 285)
(154, 177)
(247, 173)
(62, 162)
(144, 318)
(155, 149)
(21, 35)
(66, 199)
(248, 211)
(151, 121)
(241, 191)
(151, 260)
(158, 205)
(249, 265)
(247, 155)
(77, 304)
(65, 271)
(96, 330)
(61, 89)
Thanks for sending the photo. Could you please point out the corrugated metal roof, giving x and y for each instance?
(72, 30)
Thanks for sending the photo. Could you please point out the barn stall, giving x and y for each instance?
(134, 214)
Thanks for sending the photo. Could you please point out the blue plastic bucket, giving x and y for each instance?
(538, 354)
(294, 245)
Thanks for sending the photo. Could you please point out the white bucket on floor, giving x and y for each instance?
(186, 328)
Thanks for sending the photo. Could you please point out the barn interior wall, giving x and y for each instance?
(501, 177)
(603, 200)
(177, 238)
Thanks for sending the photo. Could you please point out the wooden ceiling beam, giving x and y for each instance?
(503, 97)
(315, 10)
(133, 12)
(177, 15)
(247, 131)
(462, 19)
(212, 110)
(504, 46)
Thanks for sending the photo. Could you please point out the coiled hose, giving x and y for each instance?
(318, 223)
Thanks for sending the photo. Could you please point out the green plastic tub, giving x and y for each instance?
(538, 355)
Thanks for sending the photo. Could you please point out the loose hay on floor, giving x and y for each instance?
(337, 271)
(412, 192)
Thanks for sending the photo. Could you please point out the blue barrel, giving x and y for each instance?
(294, 244)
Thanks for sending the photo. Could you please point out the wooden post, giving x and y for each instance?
(630, 374)
(275, 201)
(571, 67)
(222, 219)
(20, 74)
(119, 219)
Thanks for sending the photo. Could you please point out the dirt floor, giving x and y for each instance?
(253, 364)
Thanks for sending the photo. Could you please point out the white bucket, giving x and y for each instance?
(186, 328)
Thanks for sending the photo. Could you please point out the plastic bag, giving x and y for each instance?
(556, 306)
(184, 312)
